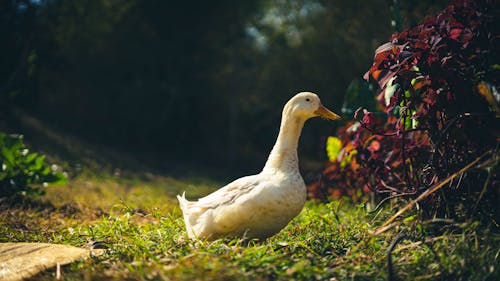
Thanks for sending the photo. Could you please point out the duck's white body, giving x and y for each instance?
(246, 207)
(260, 205)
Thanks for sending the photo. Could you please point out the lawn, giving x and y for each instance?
(137, 221)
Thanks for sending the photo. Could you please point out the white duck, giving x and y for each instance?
(259, 206)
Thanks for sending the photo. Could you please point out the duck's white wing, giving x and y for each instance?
(208, 215)
(227, 194)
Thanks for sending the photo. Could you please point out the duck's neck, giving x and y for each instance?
(283, 157)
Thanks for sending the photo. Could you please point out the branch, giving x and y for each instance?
(390, 270)
(426, 194)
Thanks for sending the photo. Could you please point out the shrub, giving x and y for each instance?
(438, 111)
(22, 172)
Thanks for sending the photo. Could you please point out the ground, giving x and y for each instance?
(138, 222)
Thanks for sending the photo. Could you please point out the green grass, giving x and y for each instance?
(138, 221)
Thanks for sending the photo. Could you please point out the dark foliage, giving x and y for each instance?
(438, 112)
(186, 81)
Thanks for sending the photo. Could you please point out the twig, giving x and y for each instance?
(420, 242)
(58, 271)
(426, 193)
(393, 189)
(390, 270)
(487, 181)
(389, 198)
(392, 134)
(483, 191)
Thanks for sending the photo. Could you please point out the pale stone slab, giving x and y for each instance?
(23, 260)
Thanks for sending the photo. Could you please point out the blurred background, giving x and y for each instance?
(183, 86)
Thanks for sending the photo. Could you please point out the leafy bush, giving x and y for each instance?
(22, 172)
(438, 108)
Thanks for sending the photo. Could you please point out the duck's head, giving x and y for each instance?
(308, 105)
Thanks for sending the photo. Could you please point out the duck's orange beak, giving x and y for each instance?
(326, 113)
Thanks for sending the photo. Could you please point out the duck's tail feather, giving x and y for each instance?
(184, 204)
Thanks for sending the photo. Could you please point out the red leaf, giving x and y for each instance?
(455, 33)
(374, 146)
(421, 84)
(368, 118)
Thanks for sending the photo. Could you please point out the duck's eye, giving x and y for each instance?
(308, 99)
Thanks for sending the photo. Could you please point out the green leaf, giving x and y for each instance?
(414, 121)
(390, 90)
(408, 123)
(39, 161)
(31, 157)
(45, 171)
(333, 146)
(8, 155)
(348, 159)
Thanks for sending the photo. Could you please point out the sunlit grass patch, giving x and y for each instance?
(145, 191)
